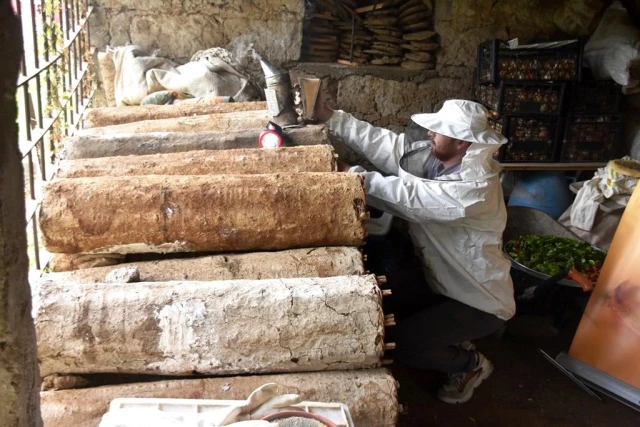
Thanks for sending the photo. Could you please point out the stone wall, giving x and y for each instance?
(179, 28)
(19, 402)
(386, 96)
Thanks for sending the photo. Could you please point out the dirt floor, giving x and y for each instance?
(524, 389)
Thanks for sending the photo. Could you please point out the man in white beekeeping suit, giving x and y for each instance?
(447, 187)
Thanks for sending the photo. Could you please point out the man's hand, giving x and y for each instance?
(320, 110)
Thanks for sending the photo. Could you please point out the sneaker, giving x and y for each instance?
(459, 387)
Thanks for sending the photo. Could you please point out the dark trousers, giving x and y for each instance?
(429, 326)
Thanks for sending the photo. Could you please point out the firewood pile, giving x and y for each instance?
(397, 32)
(188, 253)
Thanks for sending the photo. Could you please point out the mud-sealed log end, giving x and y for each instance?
(314, 158)
(217, 213)
(214, 328)
(109, 116)
(307, 262)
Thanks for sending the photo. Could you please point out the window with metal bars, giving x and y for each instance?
(55, 87)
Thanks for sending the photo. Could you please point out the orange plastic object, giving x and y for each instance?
(581, 279)
(608, 337)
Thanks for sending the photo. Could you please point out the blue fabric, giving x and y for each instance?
(435, 169)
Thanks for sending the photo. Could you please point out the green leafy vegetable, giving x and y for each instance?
(551, 254)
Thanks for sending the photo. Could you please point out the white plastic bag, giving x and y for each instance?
(132, 64)
(607, 184)
(612, 47)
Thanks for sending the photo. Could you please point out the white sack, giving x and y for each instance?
(606, 184)
(138, 75)
(131, 64)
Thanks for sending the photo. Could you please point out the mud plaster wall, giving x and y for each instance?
(179, 28)
(383, 95)
(19, 398)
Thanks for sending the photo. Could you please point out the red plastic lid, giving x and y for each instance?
(270, 139)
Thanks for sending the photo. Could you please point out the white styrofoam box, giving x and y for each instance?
(338, 413)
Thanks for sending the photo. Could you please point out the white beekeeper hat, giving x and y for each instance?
(460, 119)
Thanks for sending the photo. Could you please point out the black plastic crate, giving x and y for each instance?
(596, 97)
(513, 97)
(497, 62)
(591, 138)
(532, 138)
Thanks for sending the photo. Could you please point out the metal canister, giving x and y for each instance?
(279, 94)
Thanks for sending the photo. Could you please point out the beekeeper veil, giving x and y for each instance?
(459, 119)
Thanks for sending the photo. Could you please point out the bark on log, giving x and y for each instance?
(108, 116)
(316, 262)
(64, 382)
(71, 262)
(107, 70)
(211, 122)
(215, 328)
(214, 213)
(315, 158)
(126, 144)
(371, 395)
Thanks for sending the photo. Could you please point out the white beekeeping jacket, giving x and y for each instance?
(456, 221)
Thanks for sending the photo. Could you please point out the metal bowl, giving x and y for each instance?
(521, 267)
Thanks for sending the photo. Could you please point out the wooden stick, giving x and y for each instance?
(353, 36)
(349, 63)
(386, 292)
(389, 316)
(386, 362)
(373, 7)
(389, 346)
(381, 279)
(325, 15)
(389, 323)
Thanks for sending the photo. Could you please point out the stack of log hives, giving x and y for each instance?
(180, 249)
(371, 32)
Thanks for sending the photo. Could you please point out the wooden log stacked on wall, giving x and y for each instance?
(127, 144)
(371, 395)
(215, 328)
(320, 37)
(394, 32)
(302, 309)
(353, 32)
(383, 23)
(108, 116)
(218, 213)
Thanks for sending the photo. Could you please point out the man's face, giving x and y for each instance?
(444, 147)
